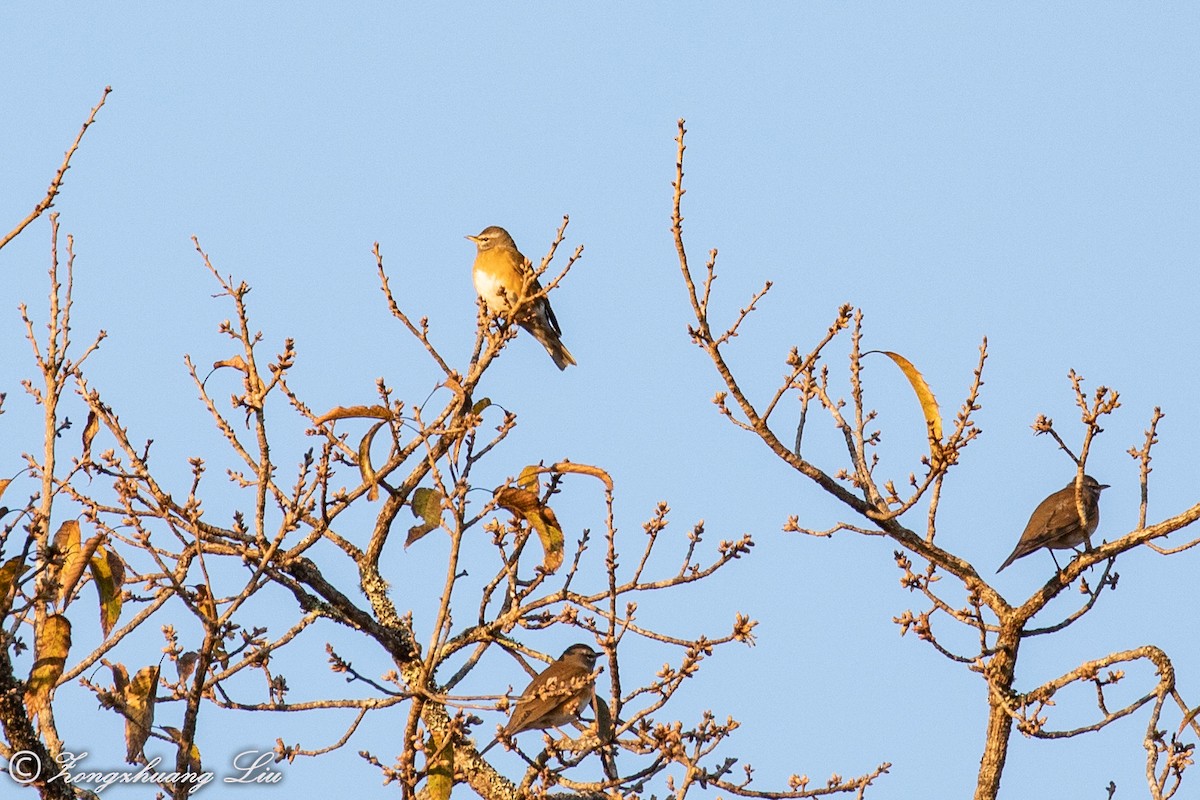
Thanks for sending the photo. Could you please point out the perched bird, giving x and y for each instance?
(500, 274)
(557, 696)
(1055, 522)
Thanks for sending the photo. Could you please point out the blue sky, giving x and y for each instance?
(1023, 172)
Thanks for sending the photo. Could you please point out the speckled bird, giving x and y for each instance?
(557, 696)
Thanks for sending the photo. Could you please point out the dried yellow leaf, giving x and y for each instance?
(929, 406)
(140, 695)
(76, 560)
(526, 504)
(9, 574)
(355, 412)
(108, 573)
(89, 432)
(427, 506)
(52, 642)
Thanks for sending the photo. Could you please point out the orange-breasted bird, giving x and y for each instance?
(501, 274)
(557, 696)
(1055, 522)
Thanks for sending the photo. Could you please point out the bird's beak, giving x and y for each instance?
(474, 239)
(1104, 486)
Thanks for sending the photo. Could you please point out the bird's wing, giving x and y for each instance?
(541, 307)
(1062, 524)
(527, 711)
(538, 699)
(553, 320)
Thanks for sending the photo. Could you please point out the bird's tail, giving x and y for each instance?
(549, 339)
(1017, 552)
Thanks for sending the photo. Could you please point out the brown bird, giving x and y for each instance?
(1055, 522)
(557, 696)
(501, 276)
